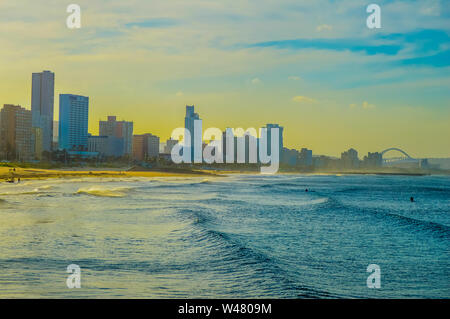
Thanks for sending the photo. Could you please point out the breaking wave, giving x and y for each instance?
(104, 192)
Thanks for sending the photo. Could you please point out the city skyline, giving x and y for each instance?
(332, 82)
(124, 129)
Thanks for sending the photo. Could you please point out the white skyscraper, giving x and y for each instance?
(42, 102)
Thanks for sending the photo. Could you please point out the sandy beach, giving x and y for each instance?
(7, 173)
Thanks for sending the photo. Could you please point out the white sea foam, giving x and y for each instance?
(104, 192)
(43, 188)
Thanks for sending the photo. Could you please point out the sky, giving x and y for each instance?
(313, 67)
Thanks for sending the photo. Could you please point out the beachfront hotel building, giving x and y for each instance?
(73, 122)
(305, 157)
(15, 133)
(42, 104)
(145, 146)
(119, 129)
(170, 143)
(105, 145)
(349, 159)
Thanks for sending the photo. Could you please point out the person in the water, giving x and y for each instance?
(411, 199)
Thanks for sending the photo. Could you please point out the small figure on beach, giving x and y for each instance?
(411, 199)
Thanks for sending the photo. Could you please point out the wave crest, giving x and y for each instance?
(104, 192)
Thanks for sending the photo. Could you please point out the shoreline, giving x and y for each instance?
(7, 173)
(35, 173)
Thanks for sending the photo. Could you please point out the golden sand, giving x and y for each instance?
(35, 173)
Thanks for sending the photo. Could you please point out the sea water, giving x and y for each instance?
(237, 236)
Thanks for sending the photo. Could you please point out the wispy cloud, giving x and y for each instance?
(441, 59)
(367, 106)
(430, 7)
(364, 105)
(353, 45)
(154, 23)
(419, 47)
(420, 41)
(324, 27)
(303, 99)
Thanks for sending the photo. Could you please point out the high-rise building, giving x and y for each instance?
(251, 148)
(269, 138)
(36, 133)
(189, 124)
(145, 146)
(15, 133)
(373, 160)
(322, 161)
(55, 131)
(152, 146)
(305, 157)
(42, 103)
(55, 134)
(289, 156)
(241, 148)
(229, 146)
(139, 143)
(170, 143)
(119, 129)
(106, 145)
(73, 122)
(349, 159)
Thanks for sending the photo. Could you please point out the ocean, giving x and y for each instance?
(237, 236)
